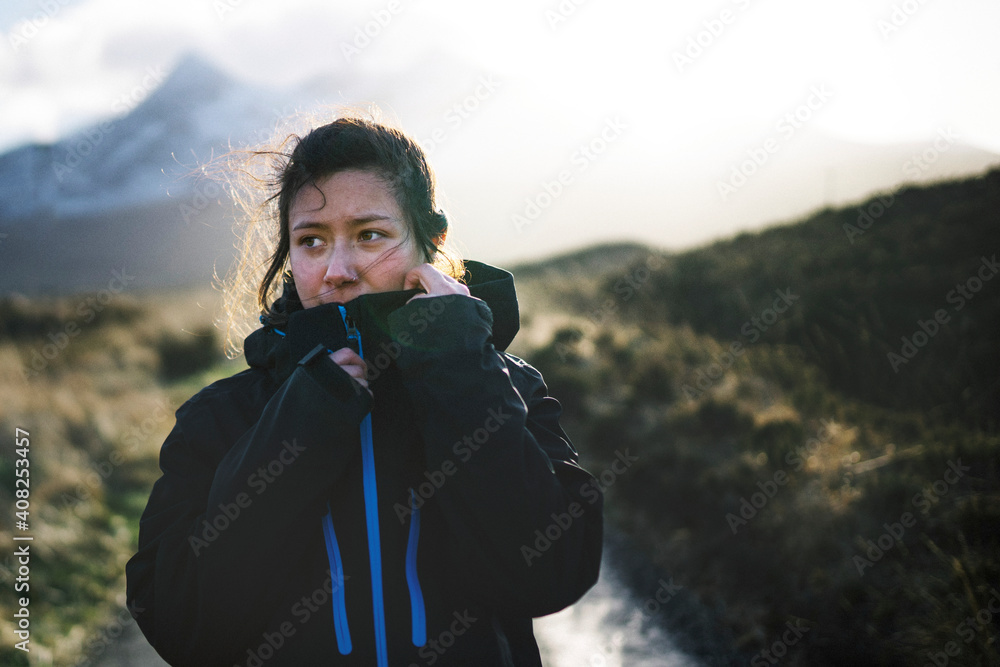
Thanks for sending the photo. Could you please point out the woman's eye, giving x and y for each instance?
(310, 241)
(370, 235)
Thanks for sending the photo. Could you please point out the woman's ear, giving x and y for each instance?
(435, 247)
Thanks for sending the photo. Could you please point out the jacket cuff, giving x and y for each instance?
(442, 323)
(310, 327)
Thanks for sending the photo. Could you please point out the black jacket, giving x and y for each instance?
(256, 546)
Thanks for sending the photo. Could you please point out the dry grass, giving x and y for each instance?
(97, 411)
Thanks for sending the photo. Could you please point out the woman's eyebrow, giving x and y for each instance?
(353, 222)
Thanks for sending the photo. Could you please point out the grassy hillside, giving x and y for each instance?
(896, 301)
(786, 473)
(94, 379)
(827, 508)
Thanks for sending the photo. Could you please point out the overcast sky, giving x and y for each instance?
(695, 84)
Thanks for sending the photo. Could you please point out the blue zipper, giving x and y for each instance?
(337, 573)
(371, 513)
(417, 612)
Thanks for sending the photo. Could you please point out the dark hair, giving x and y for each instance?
(349, 142)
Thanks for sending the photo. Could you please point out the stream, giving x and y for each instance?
(608, 627)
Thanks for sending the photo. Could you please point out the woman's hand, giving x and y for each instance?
(352, 364)
(433, 282)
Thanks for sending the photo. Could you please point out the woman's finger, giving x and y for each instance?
(433, 281)
(352, 364)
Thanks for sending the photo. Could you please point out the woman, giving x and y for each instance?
(384, 485)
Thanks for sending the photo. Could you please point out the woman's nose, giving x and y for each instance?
(341, 269)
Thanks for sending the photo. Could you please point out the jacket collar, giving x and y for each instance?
(278, 349)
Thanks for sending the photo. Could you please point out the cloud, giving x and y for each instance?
(597, 58)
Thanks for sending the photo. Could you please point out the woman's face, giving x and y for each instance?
(348, 237)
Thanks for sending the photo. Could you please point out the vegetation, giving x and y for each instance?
(895, 301)
(786, 472)
(96, 390)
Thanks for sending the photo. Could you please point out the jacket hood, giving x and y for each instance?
(278, 347)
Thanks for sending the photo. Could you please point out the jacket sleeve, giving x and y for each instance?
(525, 518)
(219, 530)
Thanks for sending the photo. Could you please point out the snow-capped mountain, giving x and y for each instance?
(140, 156)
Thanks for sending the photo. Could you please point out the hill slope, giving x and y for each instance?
(785, 472)
(894, 300)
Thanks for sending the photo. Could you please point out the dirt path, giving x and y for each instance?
(131, 650)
